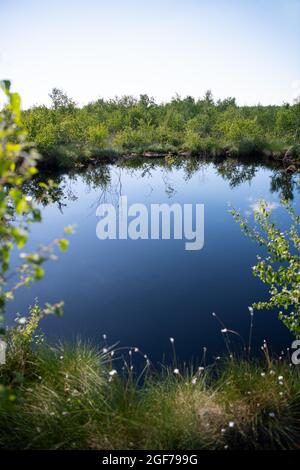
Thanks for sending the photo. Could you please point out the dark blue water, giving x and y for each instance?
(143, 292)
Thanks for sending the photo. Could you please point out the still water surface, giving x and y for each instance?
(142, 292)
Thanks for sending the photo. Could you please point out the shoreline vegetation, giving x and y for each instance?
(69, 136)
(87, 396)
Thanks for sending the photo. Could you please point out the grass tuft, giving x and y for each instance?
(75, 397)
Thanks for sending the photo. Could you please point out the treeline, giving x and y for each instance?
(66, 134)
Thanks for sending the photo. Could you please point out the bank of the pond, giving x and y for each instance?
(64, 158)
(81, 397)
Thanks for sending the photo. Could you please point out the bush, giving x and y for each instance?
(128, 124)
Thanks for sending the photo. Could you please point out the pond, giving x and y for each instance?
(142, 292)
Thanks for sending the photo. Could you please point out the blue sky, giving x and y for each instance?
(91, 48)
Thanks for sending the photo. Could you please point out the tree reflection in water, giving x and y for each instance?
(107, 178)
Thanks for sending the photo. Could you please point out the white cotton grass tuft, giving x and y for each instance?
(176, 371)
(21, 320)
(113, 372)
(172, 340)
(231, 424)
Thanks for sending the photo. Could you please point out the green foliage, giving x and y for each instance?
(17, 210)
(97, 135)
(21, 340)
(280, 269)
(288, 122)
(17, 165)
(66, 134)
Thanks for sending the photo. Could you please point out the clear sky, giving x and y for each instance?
(249, 49)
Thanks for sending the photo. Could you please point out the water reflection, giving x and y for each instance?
(101, 178)
(142, 292)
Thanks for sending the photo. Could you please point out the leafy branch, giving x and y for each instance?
(280, 268)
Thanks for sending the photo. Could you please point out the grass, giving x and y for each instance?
(79, 397)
